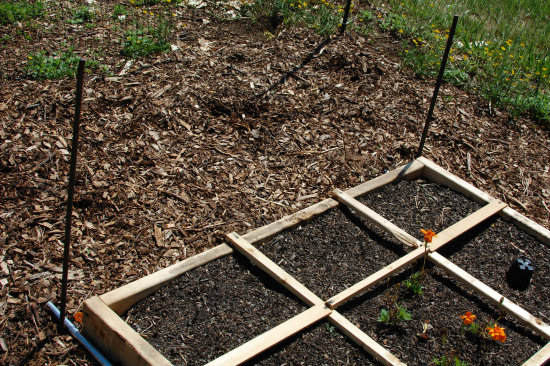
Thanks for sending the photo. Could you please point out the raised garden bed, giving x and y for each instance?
(336, 260)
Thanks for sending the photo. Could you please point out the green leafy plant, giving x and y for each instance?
(394, 312)
(55, 66)
(83, 14)
(498, 60)
(14, 11)
(447, 360)
(58, 65)
(119, 10)
(146, 41)
(413, 284)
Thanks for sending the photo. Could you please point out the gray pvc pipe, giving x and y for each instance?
(79, 337)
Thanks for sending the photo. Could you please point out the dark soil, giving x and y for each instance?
(330, 253)
(212, 309)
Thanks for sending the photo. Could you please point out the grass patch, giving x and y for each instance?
(15, 11)
(495, 51)
(153, 2)
(147, 41)
(324, 17)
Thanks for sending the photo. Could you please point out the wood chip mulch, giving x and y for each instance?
(179, 149)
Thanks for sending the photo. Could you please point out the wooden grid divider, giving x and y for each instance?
(272, 337)
(268, 266)
(437, 174)
(374, 278)
(362, 339)
(271, 268)
(376, 219)
(411, 170)
(537, 325)
(105, 327)
(540, 358)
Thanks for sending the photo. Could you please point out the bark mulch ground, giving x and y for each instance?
(178, 149)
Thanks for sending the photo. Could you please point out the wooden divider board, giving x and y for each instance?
(272, 337)
(105, 327)
(439, 175)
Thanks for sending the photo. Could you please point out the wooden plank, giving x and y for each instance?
(374, 278)
(123, 298)
(411, 170)
(376, 219)
(268, 266)
(516, 311)
(437, 174)
(272, 337)
(408, 171)
(540, 358)
(265, 232)
(457, 229)
(441, 239)
(116, 339)
(366, 342)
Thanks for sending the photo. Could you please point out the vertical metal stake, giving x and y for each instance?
(70, 194)
(437, 85)
(346, 15)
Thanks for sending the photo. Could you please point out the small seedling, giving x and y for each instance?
(395, 313)
(413, 284)
(446, 360)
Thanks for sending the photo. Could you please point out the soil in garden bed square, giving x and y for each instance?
(487, 253)
(332, 252)
(412, 205)
(439, 307)
(212, 309)
(320, 345)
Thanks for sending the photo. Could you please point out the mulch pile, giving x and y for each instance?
(180, 148)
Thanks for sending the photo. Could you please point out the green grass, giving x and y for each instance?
(324, 16)
(15, 11)
(501, 49)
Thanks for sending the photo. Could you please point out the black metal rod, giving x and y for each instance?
(437, 85)
(346, 16)
(70, 194)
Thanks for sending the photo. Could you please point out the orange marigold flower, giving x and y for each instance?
(468, 318)
(78, 317)
(497, 333)
(428, 235)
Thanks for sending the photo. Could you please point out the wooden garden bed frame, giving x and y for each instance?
(103, 325)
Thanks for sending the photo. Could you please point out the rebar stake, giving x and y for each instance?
(346, 15)
(437, 85)
(70, 194)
